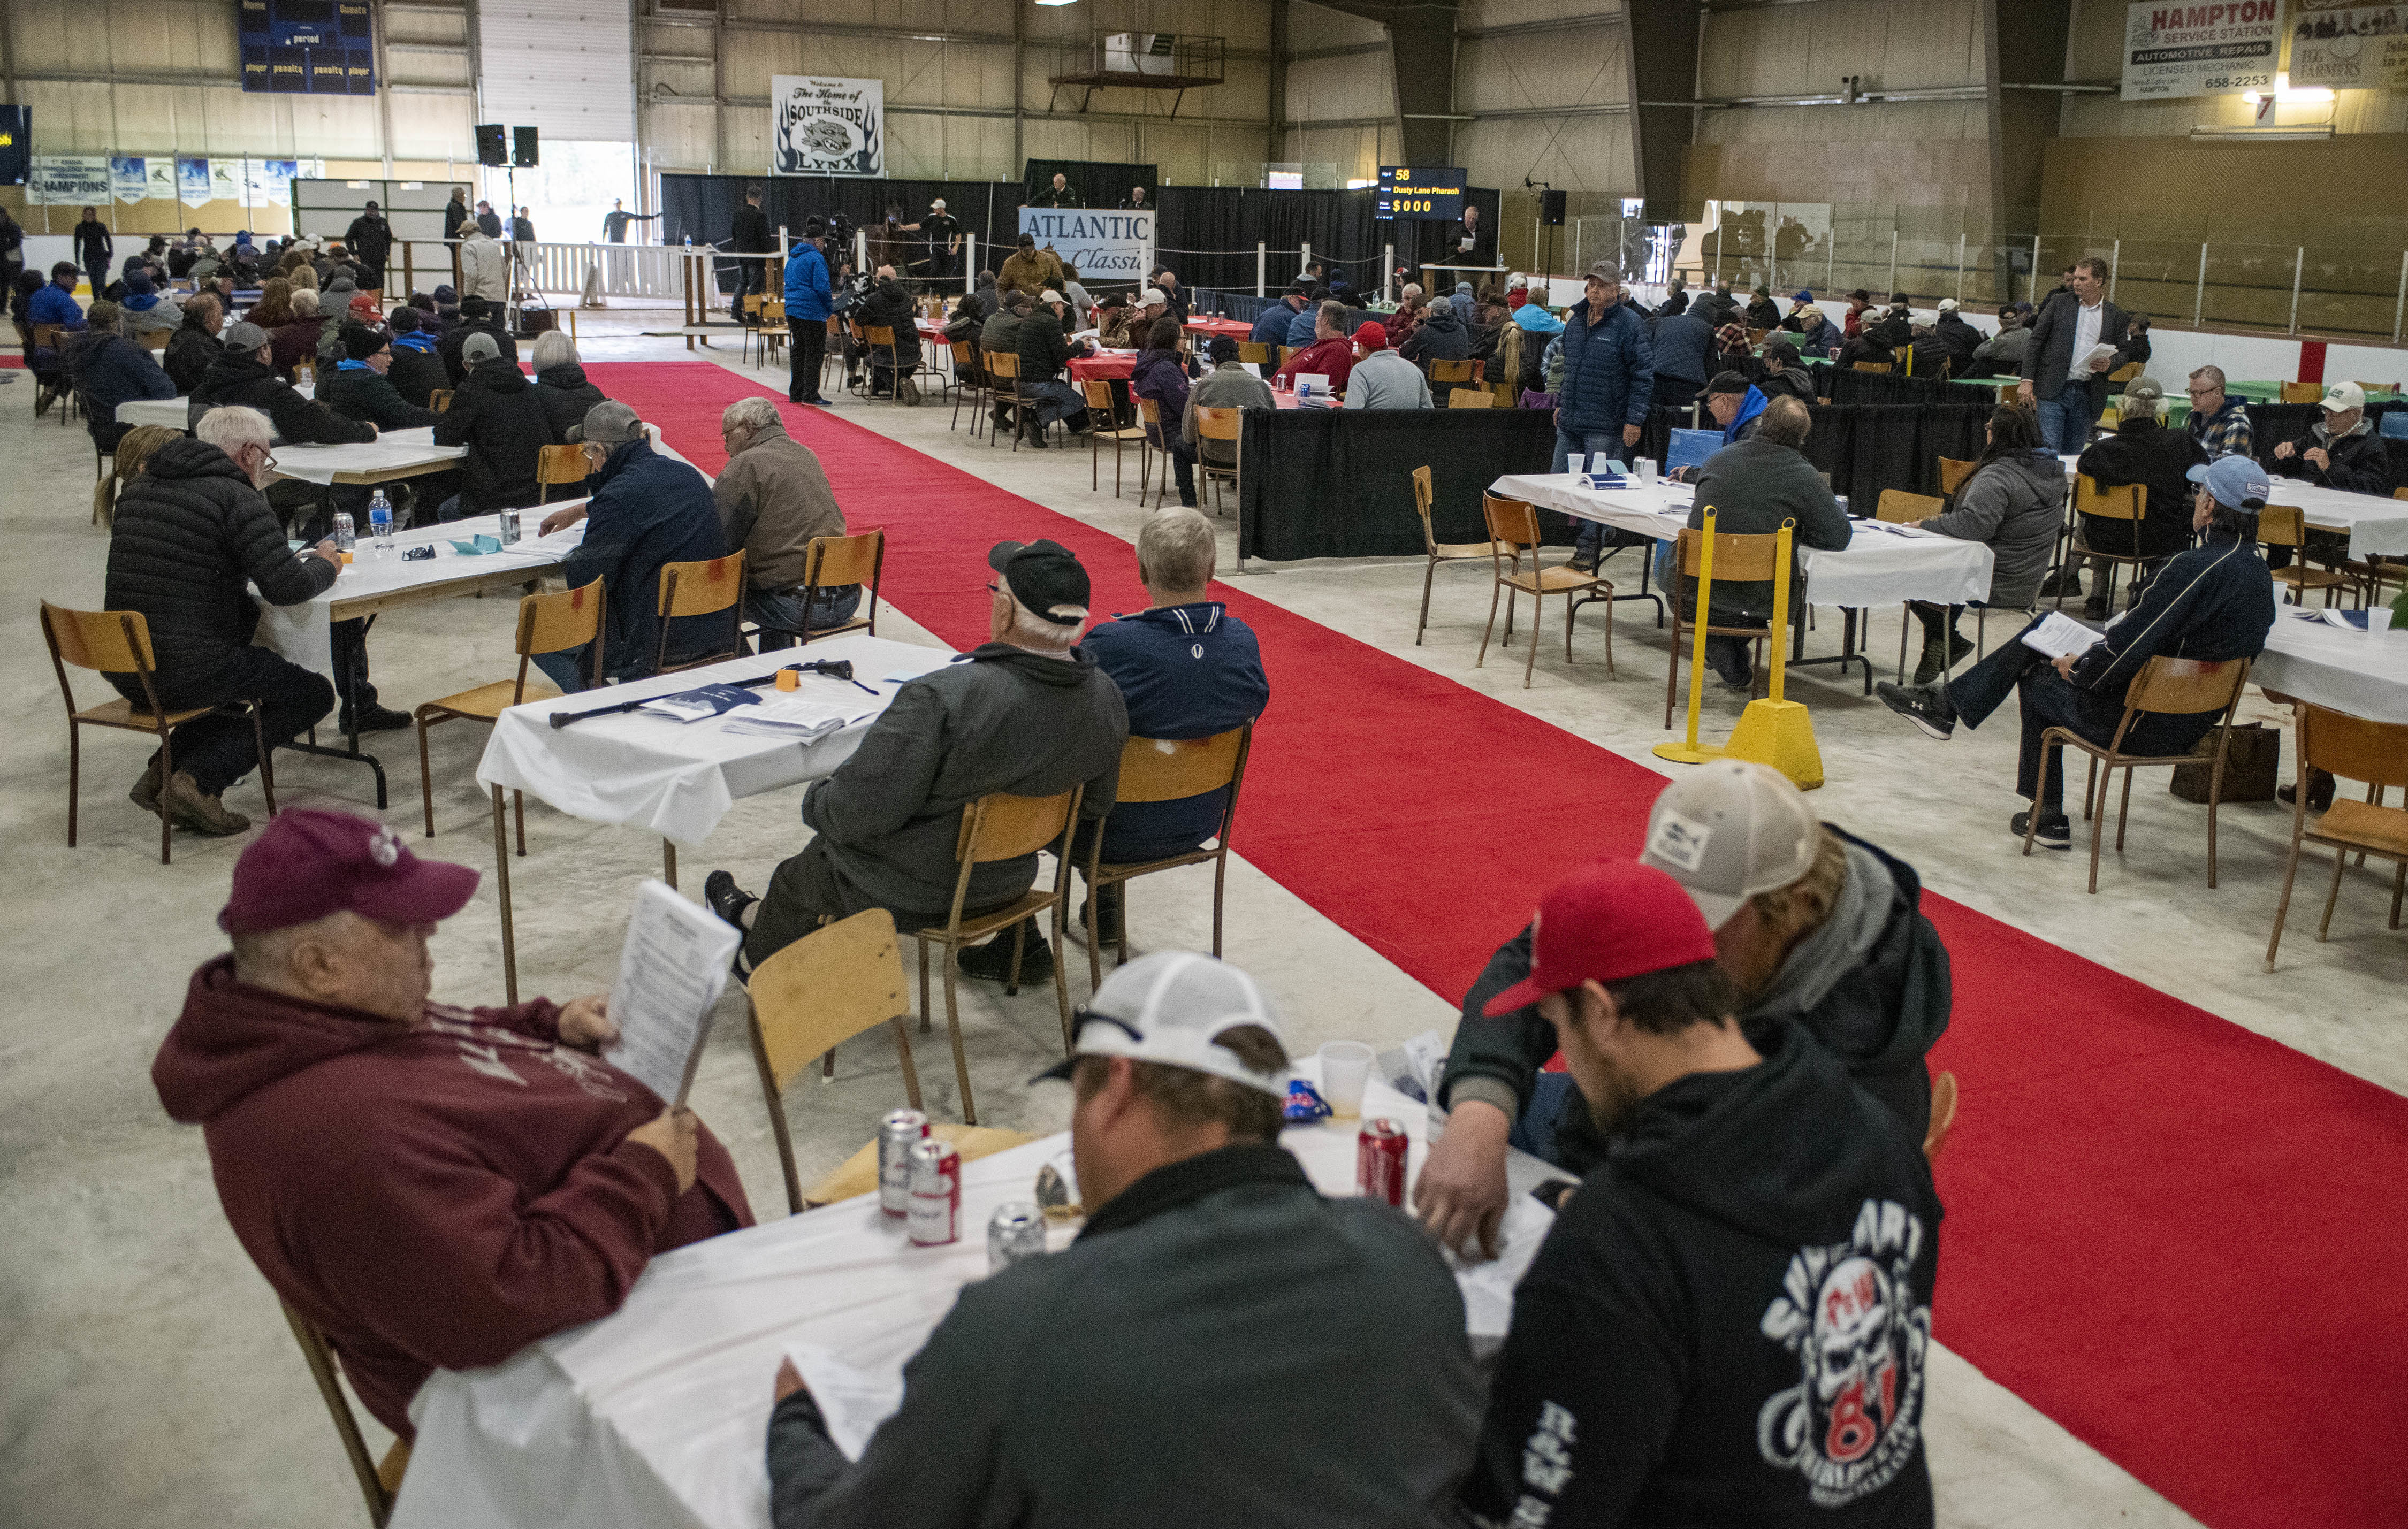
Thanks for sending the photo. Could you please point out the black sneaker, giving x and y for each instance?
(722, 896)
(1583, 563)
(1926, 706)
(374, 719)
(992, 962)
(2056, 833)
(2320, 793)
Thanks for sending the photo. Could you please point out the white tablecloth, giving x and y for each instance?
(673, 778)
(2377, 526)
(390, 451)
(1878, 567)
(658, 1415)
(175, 414)
(2311, 661)
(300, 633)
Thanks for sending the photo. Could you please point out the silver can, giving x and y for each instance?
(1015, 1234)
(899, 1132)
(936, 1213)
(509, 528)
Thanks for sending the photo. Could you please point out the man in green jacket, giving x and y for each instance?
(1221, 1345)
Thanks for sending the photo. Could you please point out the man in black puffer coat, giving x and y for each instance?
(358, 388)
(191, 532)
(476, 317)
(496, 415)
(890, 307)
(192, 347)
(244, 377)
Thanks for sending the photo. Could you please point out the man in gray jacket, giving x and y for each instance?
(1026, 713)
(1221, 1345)
(1754, 485)
(773, 499)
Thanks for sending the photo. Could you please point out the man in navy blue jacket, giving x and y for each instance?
(1271, 323)
(808, 307)
(648, 511)
(1609, 380)
(2213, 602)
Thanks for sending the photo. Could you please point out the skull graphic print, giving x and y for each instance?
(1847, 1312)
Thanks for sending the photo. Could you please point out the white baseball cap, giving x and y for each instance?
(2342, 396)
(1728, 830)
(1948, 304)
(1168, 1007)
(1152, 297)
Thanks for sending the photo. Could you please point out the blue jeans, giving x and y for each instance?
(779, 613)
(1534, 1130)
(2065, 420)
(565, 668)
(1589, 443)
(2045, 700)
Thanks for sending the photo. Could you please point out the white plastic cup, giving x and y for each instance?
(1646, 466)
(1572, 463)
(2378, 620)
(1345, 1068)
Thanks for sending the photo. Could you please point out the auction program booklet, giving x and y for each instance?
(671, 971)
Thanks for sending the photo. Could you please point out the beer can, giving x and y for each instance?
(1380, 1153)
(936, 1214)
(509, 528)
(898, 1134)
(1014, 1234)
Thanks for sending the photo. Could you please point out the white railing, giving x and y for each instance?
(624, 270)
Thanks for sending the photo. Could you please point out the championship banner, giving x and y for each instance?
(192, 182)
(62, 180)
(1103, 246)
(822, 126)
(2348, 47)
(225, 181)
(2200, 49)
(127, 182)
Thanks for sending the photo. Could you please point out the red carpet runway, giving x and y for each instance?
(2180, 1240)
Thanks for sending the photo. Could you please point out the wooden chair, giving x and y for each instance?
(829, 986)
(2130, 503)
(1103, 425)
(1953, 474)
(1738, 560)
(702, 587)
(119, 642)
(773, 332)
(834, 562)
(548, 623)
(1899, 507)
(858, 1174)
(380, 1481)
(1443, 551)
(1943, 1116)
(1255, 352)
(1149, 419)
(1221, 424)
(874, 339)
(2303, 393)
(438, 399)
(558, 464)
(1287, 353)
(2286, 525)
(1003, 385)
(1513, 527)
(1447, 376)
(2180, 687)
(1471, 398)
(1001, 826)
(1875, 365)
(970, 385)
(2354, 749)
(155, 340)
(1165, 770)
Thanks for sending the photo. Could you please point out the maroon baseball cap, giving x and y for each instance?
(1608, 921)
(309, 863)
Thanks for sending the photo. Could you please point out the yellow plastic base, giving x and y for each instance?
(1779, 733)
(1681, 753)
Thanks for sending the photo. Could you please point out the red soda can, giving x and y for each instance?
(1380, 1152)
(936, 1214)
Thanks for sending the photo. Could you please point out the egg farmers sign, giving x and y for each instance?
(820, 126)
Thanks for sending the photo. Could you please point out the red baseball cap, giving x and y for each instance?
(1371, 336)
(309, 863)
(1608, 921)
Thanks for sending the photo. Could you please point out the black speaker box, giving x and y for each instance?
(490, 150)
(1551, 209)
(523, 154)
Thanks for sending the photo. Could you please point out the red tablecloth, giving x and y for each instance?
(1113, 367)
(934, 332)
(1235, 328)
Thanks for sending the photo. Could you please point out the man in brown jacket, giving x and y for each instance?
(1030, 269)
(773, 498)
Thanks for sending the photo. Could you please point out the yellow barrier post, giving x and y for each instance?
(1689, 751)
(1773, 731)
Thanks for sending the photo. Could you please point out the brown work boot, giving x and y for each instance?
(145, 793)
(187, 808)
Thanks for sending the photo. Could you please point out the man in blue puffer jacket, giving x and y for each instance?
(808, 307)
(1609, 377)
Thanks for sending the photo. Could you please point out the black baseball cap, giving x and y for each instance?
(1728, 382)
(1045, 577)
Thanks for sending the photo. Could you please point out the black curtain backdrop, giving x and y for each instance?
(1340, 482)
(1100, 184)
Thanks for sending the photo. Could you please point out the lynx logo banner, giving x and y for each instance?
(1103, 246)
(2200, 49)
(820, 127)
(2348, 47)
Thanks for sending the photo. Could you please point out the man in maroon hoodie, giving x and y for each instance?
(432, 1186)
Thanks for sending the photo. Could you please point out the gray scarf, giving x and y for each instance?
(1833, 949)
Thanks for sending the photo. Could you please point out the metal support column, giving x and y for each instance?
(2035, 267)
(1892, 288)
(2199, 297)
(2299, 267)
(1388, 268)
(1262, 268)
(1960, 270)
(2399, 308)
(2114, 264)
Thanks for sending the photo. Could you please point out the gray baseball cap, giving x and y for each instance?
(610, 422)
(1728, 830)
(245, 336)
(479, 348)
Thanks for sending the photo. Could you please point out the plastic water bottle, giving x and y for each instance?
(344, 539)
(380, 523)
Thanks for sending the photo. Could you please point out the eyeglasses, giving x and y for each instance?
(2203, 392)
